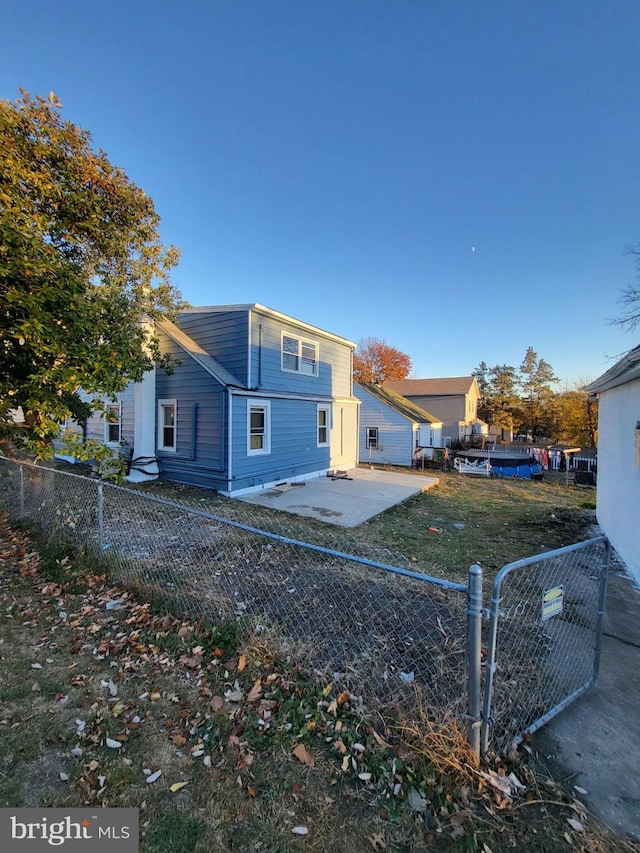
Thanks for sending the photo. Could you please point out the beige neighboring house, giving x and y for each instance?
(453, 400)
(619, 456)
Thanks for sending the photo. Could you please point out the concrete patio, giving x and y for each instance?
(348, 500)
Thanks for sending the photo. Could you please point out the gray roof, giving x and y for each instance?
(400, 404)
(197, 353)
(625, 370)
(451, 385)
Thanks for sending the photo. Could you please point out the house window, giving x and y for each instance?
(167, 425)
(112, 423)
(299, 356)
(323, 426)
(258, 427)
(372, 438)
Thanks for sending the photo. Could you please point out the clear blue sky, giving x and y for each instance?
(340, 161)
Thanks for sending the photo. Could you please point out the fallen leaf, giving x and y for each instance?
(377, 841)
(153, 777)
(575, 824)
(343, 697)
(416, 802)
(251, 790)
(303, 755)
(35, 687)
(242, 662)
(364, 776)
(580, 790)
(300, 830)
(113, 744)
(63, 777)
(380, 740)
(176, 786)
(256, 691)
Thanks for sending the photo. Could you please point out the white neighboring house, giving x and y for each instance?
(619, 456)
(392, 427)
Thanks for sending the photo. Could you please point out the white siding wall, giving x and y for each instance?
(344, 435)
(619, 472)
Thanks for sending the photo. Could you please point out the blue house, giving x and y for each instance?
(256, 398)
(393, 430)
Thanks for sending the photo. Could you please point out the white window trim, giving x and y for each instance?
(322, 407)
(375, 446)
(110, 405)
(161, 444)
(259, 404)
(301, 340)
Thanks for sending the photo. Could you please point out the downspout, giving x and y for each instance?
(229, 438)
(249, 345)
(260, 356)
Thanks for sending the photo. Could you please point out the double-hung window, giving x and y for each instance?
(258, 427)
(299, 355)
(167, 425)
(372, 438)
(112, 423)
(323, 426)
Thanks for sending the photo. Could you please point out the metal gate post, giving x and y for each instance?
(474, 652)
(496, 599)
(602, 597)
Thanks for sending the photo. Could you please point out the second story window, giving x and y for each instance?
(299, 355)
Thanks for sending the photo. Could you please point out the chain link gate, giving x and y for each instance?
(544, 642)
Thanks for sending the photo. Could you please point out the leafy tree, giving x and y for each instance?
(536, 378)
(575, 416)
(375, 362)
(81, 266)
(499, 403)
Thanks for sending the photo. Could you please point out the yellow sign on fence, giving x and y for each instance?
(552, 602)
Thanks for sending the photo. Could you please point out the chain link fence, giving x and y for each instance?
(376, 630)
(544, 639)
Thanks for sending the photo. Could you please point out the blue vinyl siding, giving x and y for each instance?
(294, 449)
(225, 336)
(396, 433)
(200, 456)
(334, 369)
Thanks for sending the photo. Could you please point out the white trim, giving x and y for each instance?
(161, 445)
(301, 341)
(323, 407)
(265, 405)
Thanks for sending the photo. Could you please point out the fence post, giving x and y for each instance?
(100, 515)
(474, 652)
(21, 469)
